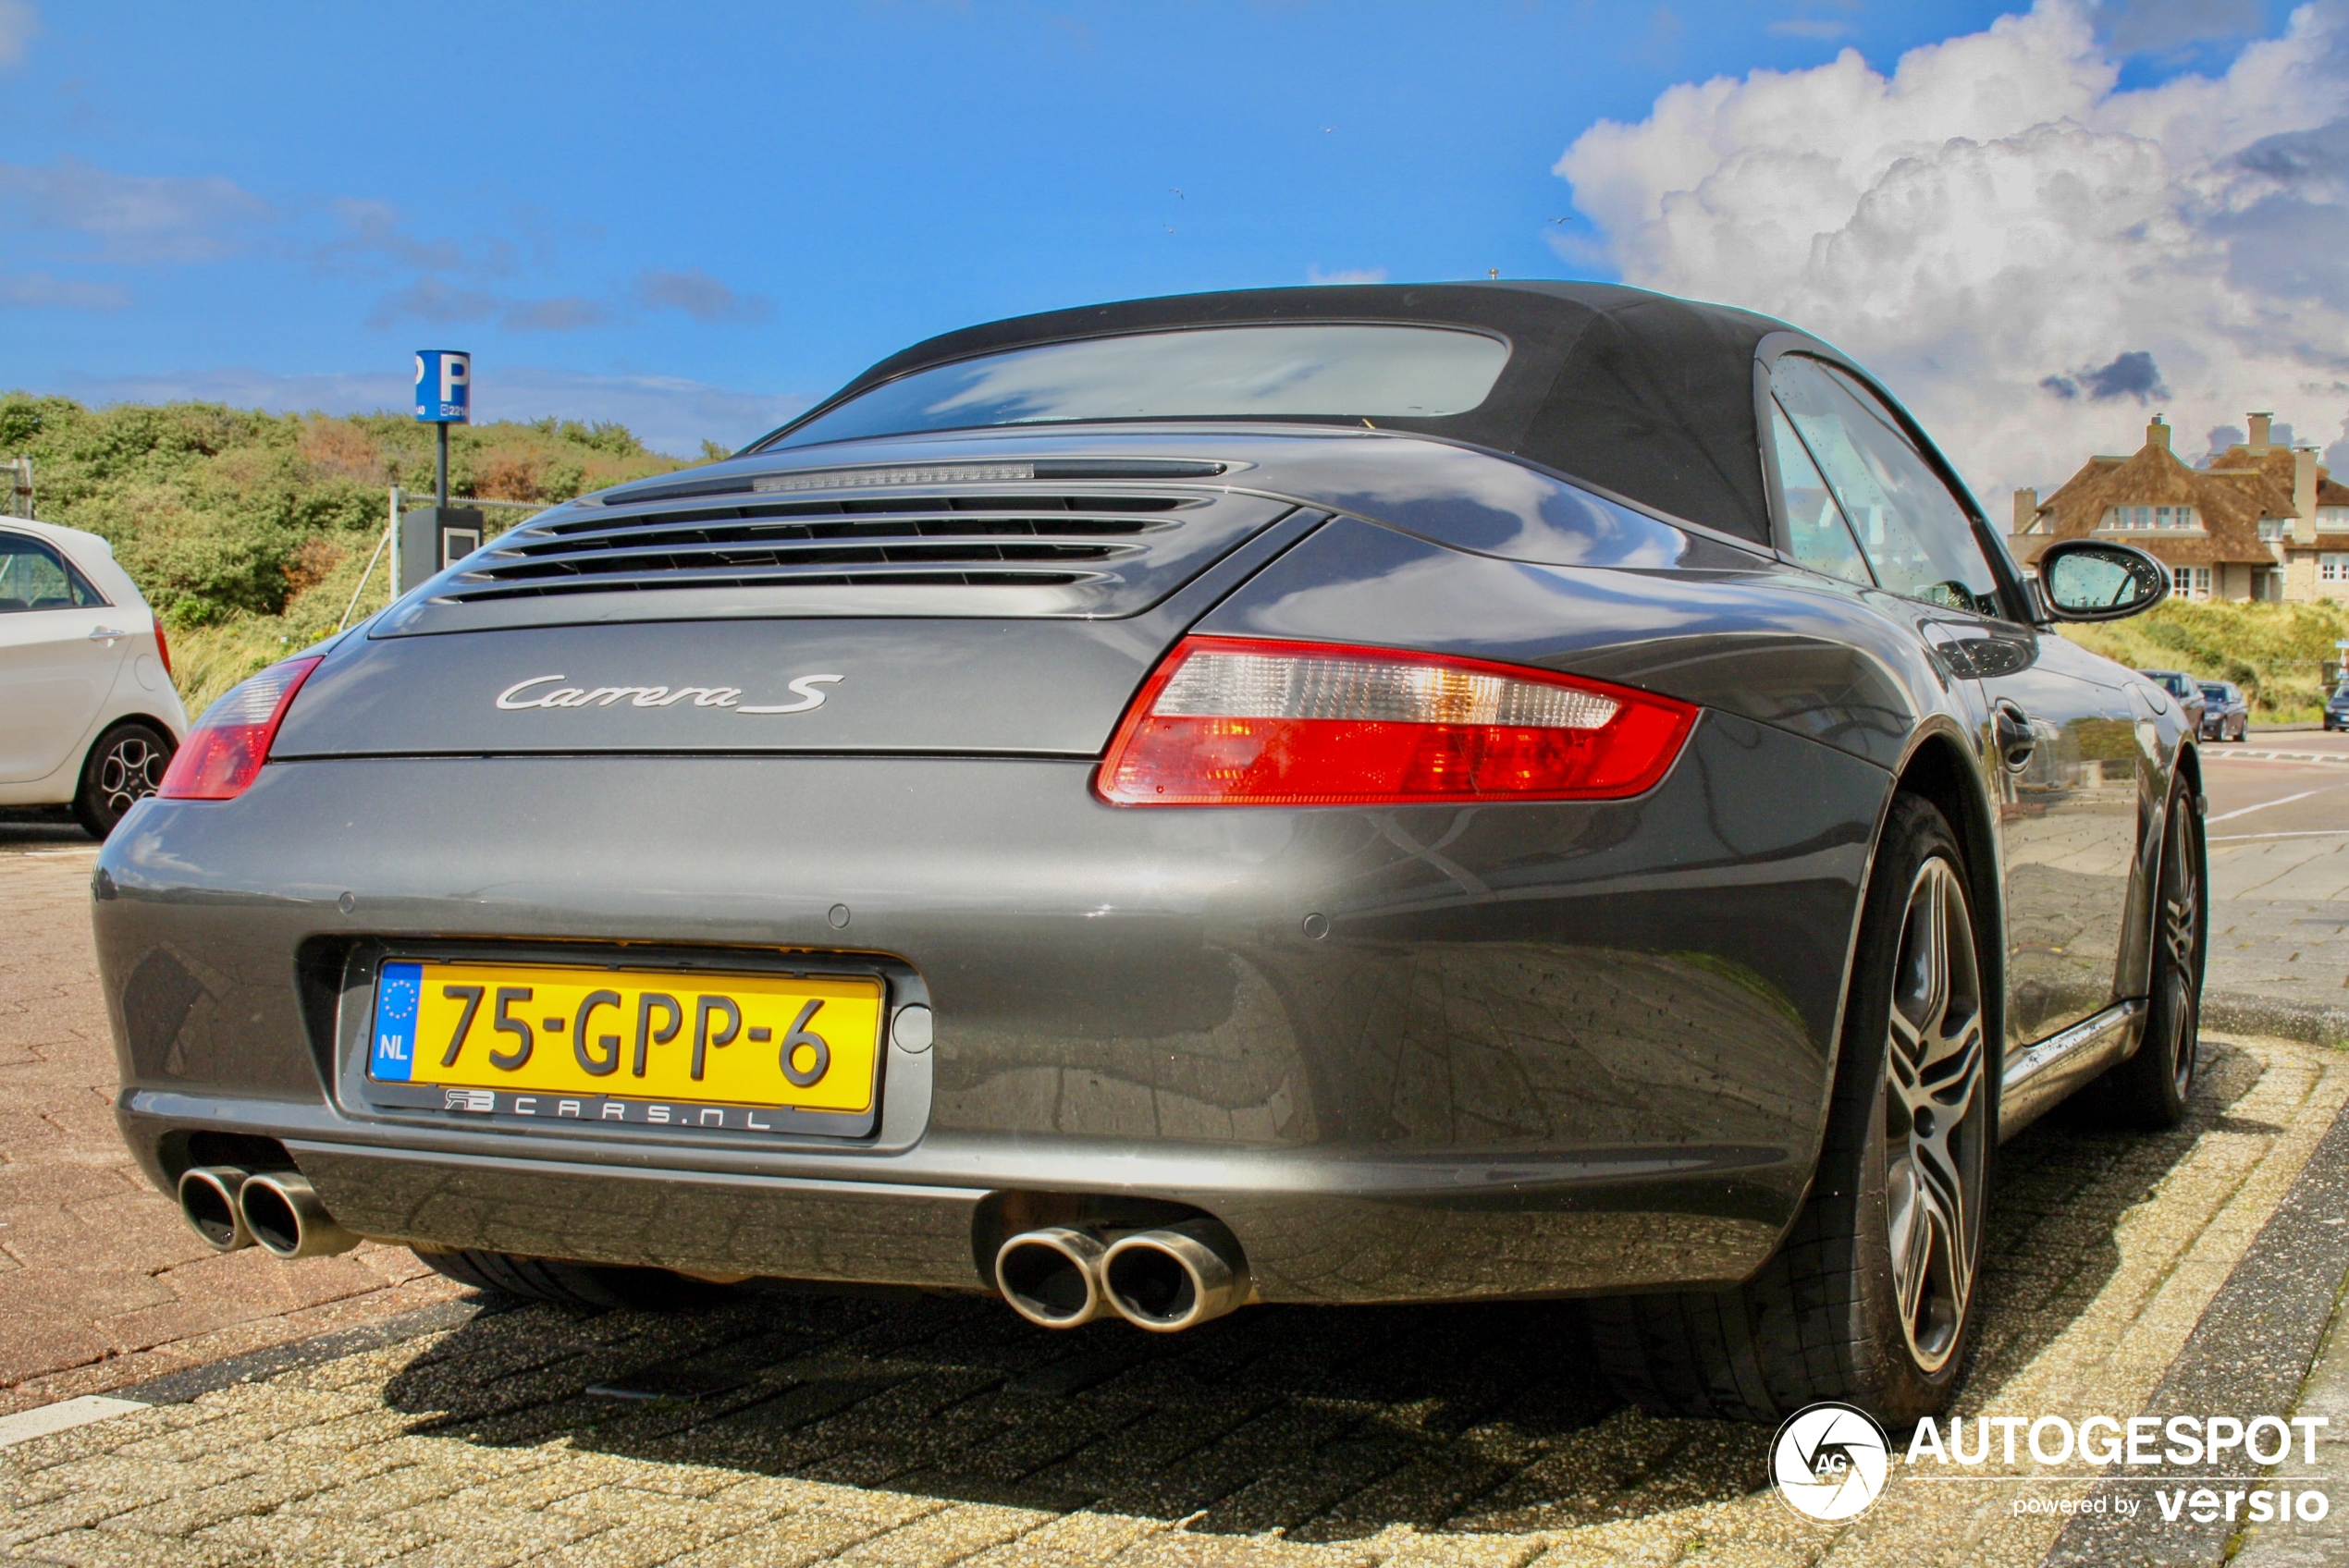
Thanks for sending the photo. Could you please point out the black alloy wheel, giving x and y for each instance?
(2151, 1088)
(1871, 1298)
(123, 768)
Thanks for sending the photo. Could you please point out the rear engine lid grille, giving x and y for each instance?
(983, 551)
(950, 539)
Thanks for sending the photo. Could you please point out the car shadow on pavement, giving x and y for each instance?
(36, 828)
(2064, 1184)
(1330, 1423)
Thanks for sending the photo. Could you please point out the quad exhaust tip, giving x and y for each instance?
(1052, 1277)
(282, 1210)
(278, 1210)
(1176, 1278)
(1165, 1280)
(208, 1203)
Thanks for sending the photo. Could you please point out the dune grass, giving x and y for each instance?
(2278, 653)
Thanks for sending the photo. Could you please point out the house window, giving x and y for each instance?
(2274, 528)
(2194, 581)
(2329, 518)
(2157, 518)
(2332, 568)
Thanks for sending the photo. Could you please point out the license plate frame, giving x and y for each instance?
(619, 1115)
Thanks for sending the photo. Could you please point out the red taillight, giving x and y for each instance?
(222, 754)
(1232, 721)
(162, 648)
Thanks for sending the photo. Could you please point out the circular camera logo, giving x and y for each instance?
(1829, 1461)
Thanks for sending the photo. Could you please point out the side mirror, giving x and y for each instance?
(2100, 579)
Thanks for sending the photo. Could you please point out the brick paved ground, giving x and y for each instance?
(871, 1429)
(100, 1282)
(927, 1432)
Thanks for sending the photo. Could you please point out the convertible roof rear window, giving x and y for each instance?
(1315, 370)
(1641, 395)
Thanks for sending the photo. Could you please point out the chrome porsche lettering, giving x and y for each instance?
(522, 696)
(506, 697)
(808, 696)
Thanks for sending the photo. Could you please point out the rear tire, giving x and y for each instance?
(2151, 1089)
(593, 1286)
(123, 768)
(1870, 1299)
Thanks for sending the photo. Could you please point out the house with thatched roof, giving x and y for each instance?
(2263, 521)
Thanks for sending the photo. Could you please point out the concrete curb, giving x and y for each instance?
(2251, 1353)
(2250, 1013)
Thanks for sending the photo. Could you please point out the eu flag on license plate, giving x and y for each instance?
(398, 990)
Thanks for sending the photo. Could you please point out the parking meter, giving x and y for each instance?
(435, 538)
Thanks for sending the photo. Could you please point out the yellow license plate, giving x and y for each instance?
(583, 1043)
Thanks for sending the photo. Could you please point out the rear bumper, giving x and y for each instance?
(1540, 1049)
(1314, 1227)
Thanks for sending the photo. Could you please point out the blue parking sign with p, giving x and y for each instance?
(444, 387)
(400, 989)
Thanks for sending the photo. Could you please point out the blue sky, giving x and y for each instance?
(698, 218)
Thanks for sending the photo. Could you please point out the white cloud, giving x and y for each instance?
(18, 23)
(432, 299)
(38, 290)
(1345, 275)
(697, 294)
(668, 413)
(567, 312)
(2031, 258)
(134, 218)
(2151, 26)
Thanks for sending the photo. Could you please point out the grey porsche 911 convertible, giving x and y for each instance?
(1352, 794)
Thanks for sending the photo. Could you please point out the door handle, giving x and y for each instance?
(106, 634)
(2015, 736)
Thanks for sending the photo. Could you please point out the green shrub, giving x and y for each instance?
(249, 530)
(2278, 653)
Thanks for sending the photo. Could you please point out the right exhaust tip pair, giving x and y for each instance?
(1165, 1280)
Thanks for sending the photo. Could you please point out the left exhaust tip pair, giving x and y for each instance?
(1174, 1277)
(276, 1210)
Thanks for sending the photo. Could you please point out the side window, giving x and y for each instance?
(1820, 538)
(34, 577)
(1914, 533)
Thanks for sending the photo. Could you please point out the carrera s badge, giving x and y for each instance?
(808, 688)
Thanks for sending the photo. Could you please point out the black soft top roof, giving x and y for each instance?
(1641, 393)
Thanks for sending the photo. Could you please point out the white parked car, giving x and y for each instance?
(88, 715)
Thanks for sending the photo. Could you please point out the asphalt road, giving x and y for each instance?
(2254, 796)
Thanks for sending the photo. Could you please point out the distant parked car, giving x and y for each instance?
(2337, 709)
(2225, 716)
(2183, 687)
(88, 716)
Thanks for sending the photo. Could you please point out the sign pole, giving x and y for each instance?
(435, 538)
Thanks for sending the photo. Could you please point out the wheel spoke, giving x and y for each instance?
(1934, 941)
(1912, 1261)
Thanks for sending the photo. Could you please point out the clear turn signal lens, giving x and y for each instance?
(1232, 721)
(223, 754)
